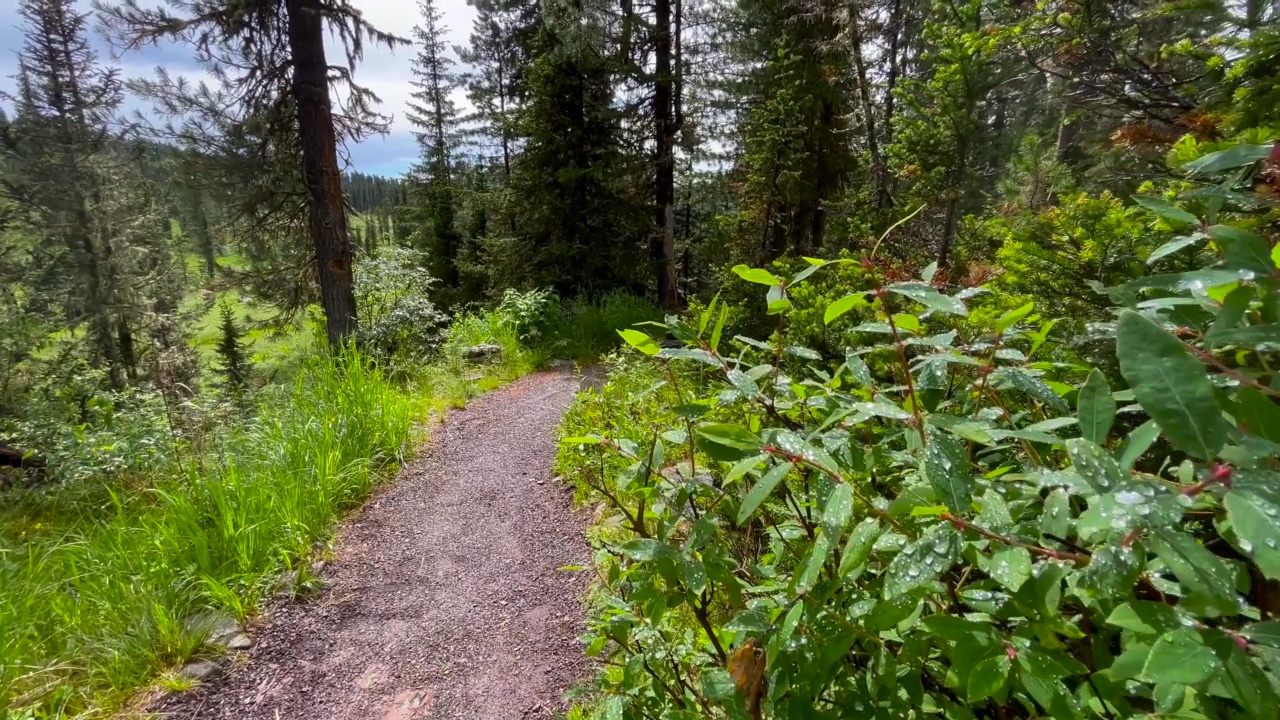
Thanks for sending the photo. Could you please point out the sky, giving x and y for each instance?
(384, 71)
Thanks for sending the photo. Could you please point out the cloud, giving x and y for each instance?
(384, 71)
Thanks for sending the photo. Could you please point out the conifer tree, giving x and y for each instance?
(234, 366)
(435, 119)
(60, 140)
(579, 218)
(273, 119)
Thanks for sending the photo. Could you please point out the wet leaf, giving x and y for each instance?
(1171, 385)
(923, 561)
(761, 490)
(946, 465)
(929, 297)
(1095, 408)
(1256, 522)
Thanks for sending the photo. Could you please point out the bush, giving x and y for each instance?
(398, 321)
(932, 528)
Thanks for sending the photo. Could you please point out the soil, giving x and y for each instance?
(444, 600)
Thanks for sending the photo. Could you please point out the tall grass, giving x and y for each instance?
(587, 328)
(96, 607)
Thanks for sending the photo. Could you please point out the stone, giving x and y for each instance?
(239, 641)
(486, 351)
(200, 670)
(216, 627)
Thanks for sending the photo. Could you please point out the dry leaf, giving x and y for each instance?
(746, 667)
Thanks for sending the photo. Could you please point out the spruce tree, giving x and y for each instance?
(579, 218)
(435, 118)
(273, 120)
(60, 142)
(234, 365)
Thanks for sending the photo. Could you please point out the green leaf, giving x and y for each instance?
(1010, 566)
(946, 465)
(796, 446)
(1142, 616)
(729, 435)
(1093, 464)
(756, 275)
(1208, 586)
(1013, 317)
(923, 561)
(1244, 250)
(813, 566)
(1096, 408)
(640, 341)
(858, 548)
(1180, 656)
(838, 510)
(858, 369)
(762, 490)
(842, 306)
(1229, 159)
(1171, 386)
(717, 684)
(1113, 570)
(1243, 679)
(644, 549)
(1031, 385)
(929, 297)
(1256, 522)
(581, 440)
(705, 318)
(1174, 246)
(1234, 306)
(906, 321)
(719, 327)
(988, 676)
(1264, 633)
(1250, 336)
(1174, 215)
(1138, 442)
(1257, 414)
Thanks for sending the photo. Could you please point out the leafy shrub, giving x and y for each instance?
(528, 313)
(932, 528)
(398, 321)
(1051, 254)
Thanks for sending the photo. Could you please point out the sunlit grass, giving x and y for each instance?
(97, 606)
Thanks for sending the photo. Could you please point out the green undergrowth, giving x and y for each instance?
(158, 506)
(99, 577)
(956, 514)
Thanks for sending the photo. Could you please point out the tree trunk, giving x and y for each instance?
(204, 236)
(323, 179)
(879, 171)
(953, 206)
(663, 247)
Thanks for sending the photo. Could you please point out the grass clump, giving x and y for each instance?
(97, 603)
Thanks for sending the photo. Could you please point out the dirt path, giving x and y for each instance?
(444, 601)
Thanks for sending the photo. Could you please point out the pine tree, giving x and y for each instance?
(282, 134)
(234, 366)
(433, 114)
(574, 198)
(65, 104)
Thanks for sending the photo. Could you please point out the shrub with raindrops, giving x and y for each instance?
(950, 520)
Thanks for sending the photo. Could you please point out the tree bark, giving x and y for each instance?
(323, 179)
(663, 248)
(879, 171)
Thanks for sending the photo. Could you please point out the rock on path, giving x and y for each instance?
(445, 601)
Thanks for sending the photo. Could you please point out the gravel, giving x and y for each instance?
(444, 600)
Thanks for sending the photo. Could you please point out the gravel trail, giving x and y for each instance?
(444, 601)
